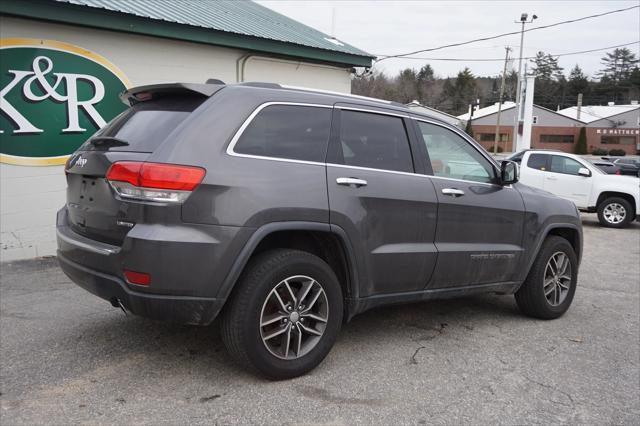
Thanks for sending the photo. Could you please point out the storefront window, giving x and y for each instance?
(556, 138)
(490, 137)
(618, 140)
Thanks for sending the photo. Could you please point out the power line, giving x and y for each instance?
(527, 58)
(505, 34)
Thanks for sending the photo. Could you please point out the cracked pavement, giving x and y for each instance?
(69, 357)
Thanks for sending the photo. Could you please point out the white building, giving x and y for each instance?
(64, 62)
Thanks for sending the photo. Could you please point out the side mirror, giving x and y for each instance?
(583, 171)
(508, 172)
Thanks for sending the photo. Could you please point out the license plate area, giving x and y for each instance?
(93, 209)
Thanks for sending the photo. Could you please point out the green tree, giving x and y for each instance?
(615, 77)
(578, 82)
(546, 67)
(550, 81)
(581, 146)
(425, 84)
(464, 91)
(468, 128)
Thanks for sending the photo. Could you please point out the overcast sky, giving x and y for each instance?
(392, 27)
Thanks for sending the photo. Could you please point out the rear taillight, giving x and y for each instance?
(167, 183)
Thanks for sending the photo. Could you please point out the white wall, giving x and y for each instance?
(30, 196)
(293, 73)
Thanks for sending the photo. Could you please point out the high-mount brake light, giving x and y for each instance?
(166, 183)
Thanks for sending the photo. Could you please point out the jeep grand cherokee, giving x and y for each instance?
(287, 211)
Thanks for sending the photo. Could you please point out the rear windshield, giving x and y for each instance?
(145, 125)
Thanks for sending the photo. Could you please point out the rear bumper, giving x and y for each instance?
(179, 309)
(187, 264)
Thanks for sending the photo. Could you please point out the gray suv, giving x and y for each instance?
(287, 211)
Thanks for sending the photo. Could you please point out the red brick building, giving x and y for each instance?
(607, 127)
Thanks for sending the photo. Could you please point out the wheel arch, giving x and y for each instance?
(328, 242)
(625, 196)
(569, 231)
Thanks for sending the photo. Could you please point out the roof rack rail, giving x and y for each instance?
(346, 95)
(261, 84)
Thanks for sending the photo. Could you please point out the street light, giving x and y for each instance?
(523, 20)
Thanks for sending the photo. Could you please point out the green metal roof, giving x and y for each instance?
(240, 24)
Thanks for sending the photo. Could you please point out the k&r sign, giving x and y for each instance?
(53, 96)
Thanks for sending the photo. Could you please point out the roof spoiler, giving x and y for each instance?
(155, 91)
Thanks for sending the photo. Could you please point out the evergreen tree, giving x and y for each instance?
(578, 82)
(581, 146)
(550, 81)
(464, 91)
(468, 128)
(618, 64)
(615, 77)
(445, 103)
(425, 84)
(545, 67)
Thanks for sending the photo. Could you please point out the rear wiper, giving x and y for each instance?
(107, 141)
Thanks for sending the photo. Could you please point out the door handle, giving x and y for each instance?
(551, 178)
(453, 192)
(345, 181)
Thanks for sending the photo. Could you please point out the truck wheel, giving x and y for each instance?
(615, 212)
(549, 288)
(284, 315)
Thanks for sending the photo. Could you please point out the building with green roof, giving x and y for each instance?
(63, 64)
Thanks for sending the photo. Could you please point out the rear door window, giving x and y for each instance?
(538, 162)
(374, 141)
(146, 125)
(295, 132)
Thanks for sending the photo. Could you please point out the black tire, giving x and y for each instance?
(531, 297)
(240, 326)
(624, 204)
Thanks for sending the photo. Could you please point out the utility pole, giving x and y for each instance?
(504, 74)
(523, 21)
(579, 106)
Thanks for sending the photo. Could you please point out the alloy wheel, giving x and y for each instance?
(614, 213)
(294, 317)
(557, 278)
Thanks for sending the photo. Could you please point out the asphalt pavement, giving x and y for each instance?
(67, 357)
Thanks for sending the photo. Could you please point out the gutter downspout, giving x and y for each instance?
(241, 63)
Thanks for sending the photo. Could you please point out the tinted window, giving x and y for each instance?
(375, 141)
(627, 161)
(146, 125)
(517, 157)
(537, 161)
(453, 157)
(565, 165)
(288, 131)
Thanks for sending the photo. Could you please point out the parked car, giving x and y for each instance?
(606, 166)
(616, 199)
(288, 211)
(628, 166)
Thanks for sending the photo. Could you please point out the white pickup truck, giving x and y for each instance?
(616, 199)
